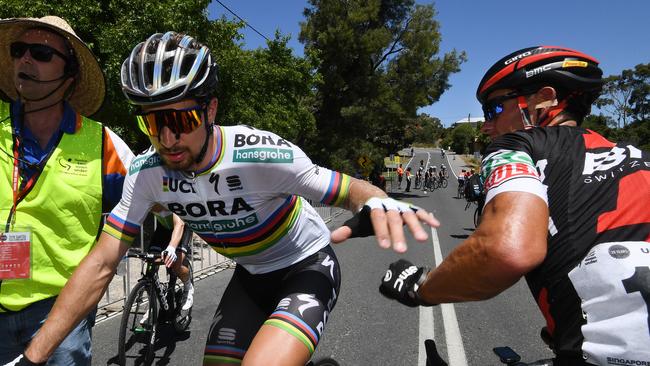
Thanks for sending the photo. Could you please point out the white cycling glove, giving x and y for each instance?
(170, 252)
(360, 223)
(388, 204)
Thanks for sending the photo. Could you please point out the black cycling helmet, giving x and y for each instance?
(534, 67)
(167, 68)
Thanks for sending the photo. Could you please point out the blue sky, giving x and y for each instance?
(616, 32)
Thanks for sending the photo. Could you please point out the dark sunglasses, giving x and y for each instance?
(494, 107)
(39, 52)
(177, 120)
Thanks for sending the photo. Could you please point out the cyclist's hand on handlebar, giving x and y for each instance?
(22, 360)
(169, 255)
(401, 282)
(385, 218)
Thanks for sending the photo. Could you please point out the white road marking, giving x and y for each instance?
(426, 332)
(455, 350)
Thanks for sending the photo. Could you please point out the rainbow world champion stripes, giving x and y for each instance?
(337, 191)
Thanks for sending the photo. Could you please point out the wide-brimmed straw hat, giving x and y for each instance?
(89, 91)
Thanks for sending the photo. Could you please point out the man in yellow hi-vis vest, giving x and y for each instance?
(59, 170)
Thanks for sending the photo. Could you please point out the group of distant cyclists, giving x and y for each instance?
(581, 243)
(430, 178)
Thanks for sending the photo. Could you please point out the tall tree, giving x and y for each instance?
(267, 88)
(379, 63)
(626, 97)
(463, 137)
(640, 97)
(616, 97)
(626, 103)
(424, 130)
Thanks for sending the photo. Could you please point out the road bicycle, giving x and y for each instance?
(432, 184)
(506, 355)
(442, 181)
(429, 184)
(418, 181)
(477, 212)
(461, 190)
(149, 304)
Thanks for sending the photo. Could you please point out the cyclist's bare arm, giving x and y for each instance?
(388, 225)
(79, 296)
(510, 242)
(175, 240)
(177, 232)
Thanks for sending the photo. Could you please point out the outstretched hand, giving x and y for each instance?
(401, 283)
(385, 218)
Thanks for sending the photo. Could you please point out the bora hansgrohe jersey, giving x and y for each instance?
(249, 204)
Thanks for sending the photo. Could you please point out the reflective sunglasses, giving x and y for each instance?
(177, 120)
(39, 52)
(492, 108)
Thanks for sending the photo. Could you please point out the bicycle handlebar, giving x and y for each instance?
(147, 257)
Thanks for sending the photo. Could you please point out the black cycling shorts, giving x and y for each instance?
(297, 299)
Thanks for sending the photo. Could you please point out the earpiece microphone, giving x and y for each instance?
(22, 75)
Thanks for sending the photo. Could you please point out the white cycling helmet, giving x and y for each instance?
(167, 68)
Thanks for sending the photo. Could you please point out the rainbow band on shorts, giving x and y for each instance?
(296, 327)
(215, 355)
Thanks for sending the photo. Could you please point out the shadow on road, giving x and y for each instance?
(401, 195)
(164, 347)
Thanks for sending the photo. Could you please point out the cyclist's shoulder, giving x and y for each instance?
(541, 135)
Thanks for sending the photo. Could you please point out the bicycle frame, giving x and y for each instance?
(164, 304)
(149, 273)
(164, 292)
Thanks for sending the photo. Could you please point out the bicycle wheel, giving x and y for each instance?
(182, 318)
(137, 336)
(444, 183)
(477, 217)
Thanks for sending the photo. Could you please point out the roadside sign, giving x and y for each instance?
(364, 162)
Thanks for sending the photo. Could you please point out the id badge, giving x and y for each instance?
(15, 255)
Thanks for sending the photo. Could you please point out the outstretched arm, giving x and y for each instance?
(510, 242)
(387, 216)
(79, 296)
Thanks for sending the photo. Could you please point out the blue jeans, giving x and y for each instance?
(19, 328)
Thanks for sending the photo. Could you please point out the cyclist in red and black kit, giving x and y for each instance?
(565, 208)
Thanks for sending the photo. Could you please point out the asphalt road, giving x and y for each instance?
(367, 329)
